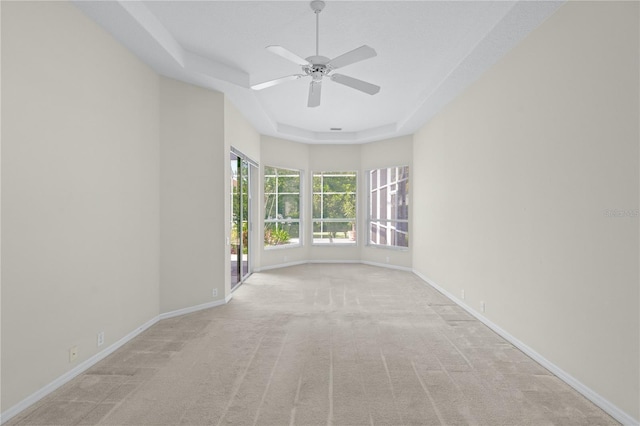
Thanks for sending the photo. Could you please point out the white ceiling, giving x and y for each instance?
(428, 51)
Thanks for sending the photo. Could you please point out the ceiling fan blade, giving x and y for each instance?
(287, 54)
(314, 93)
(277, 81)
(354, 83)
(356, 55)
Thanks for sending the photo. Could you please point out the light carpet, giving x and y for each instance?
(321, 344)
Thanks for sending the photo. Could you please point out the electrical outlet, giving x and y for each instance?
(482, 307)
(462, 294)
(215, 292)
(286, 258)
(73, 353)
(101, 338)
(387, 259)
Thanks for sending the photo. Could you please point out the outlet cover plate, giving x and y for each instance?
(73, 353)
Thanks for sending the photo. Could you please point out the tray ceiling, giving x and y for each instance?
(427, 52)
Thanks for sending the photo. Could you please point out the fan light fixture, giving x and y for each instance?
(318, 66)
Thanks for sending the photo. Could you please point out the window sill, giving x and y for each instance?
(349, 244)
(394, 248)
(282, 246)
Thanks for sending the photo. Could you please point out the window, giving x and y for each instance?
(389, 207)
(334, 207)
(281, 207)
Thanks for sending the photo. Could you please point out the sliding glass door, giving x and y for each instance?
(240, 238)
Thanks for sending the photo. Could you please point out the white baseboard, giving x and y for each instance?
(587, 392)
(196, 308)
(363, 262)
(71, 374)
(388, 266)
(300, 262)
(85, 365)
(280, 265)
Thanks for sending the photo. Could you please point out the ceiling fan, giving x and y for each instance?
(318, 66)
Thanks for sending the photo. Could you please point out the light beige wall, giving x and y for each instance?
(192, 187)
(376, 155)
(80, 209)
(290, 155)
(239, 134)
(0, 209)
(512, 183)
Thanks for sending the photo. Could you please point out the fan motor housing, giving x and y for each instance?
(317, 68)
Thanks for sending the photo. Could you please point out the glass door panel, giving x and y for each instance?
(234, 237)
(244, 205)
(241, 175)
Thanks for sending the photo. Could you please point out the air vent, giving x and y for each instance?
(336, 129)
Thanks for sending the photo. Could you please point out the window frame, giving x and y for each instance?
(377, 220)
(277, 221)
(314, 220)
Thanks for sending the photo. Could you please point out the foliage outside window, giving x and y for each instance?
(334, 207)
(281, 207)
(389, 207)
(239, 204)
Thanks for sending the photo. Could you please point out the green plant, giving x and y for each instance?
(245, 238)
(273, 237)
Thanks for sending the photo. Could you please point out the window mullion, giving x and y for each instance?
(387, 216)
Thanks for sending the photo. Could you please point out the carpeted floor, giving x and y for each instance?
(319, 345)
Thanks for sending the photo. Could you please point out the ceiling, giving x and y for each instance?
(427, 53)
